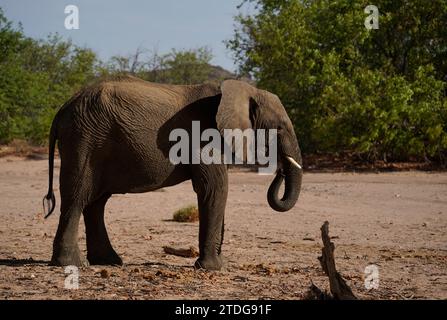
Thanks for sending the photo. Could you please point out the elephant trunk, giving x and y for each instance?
(292, 173)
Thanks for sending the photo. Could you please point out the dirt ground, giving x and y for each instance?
(396, 221)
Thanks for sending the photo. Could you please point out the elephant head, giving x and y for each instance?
(244, 106)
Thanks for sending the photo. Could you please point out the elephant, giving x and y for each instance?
(112, 138)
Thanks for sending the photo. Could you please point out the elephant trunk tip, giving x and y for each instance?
(292, 176)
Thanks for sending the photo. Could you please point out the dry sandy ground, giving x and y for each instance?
(396, 221)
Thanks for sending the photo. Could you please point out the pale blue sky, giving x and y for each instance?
(112, 27)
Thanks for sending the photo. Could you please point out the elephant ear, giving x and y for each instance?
(234, 108)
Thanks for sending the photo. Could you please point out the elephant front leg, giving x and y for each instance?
(211, 185)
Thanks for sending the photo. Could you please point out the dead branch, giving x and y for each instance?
(339, 289)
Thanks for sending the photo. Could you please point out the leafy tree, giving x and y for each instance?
(176, 67)
(186, 67)
(381, 93)
(36, 78)
(130, 64)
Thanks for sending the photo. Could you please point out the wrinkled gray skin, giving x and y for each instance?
(114, 138)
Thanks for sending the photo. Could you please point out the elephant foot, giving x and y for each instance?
(68, 256)
(110, 258)
(209, 263)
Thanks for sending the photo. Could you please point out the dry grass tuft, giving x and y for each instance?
(187, 214)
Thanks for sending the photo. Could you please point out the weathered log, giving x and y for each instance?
(338, 287)
(191, 252)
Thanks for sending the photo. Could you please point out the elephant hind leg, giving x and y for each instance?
(99, 248)
(65, 245)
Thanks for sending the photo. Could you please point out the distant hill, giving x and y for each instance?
(219, 73)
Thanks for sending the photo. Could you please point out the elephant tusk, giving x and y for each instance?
(296, 164)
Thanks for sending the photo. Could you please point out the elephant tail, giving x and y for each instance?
(49, 201)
